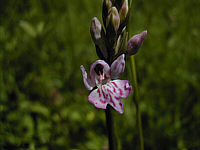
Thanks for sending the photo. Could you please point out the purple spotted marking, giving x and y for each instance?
(109, 91)
(108, 85)
(103, 101)
(106, 96)
(122, 64)
(120, 92)
(127, 88)
(99, 92)
(103, 93)
(116, 64)
(117, 98)
(114, 84)
(111, 100)
(114, 89)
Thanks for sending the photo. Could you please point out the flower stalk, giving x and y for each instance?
(110, 128)
(133, 45)
(136, 101)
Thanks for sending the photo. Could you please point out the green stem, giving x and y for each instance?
(110, 128)
(136, 101)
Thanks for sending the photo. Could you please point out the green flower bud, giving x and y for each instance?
(107, 4)
(123, 12)
(113, 18)
(121, 42)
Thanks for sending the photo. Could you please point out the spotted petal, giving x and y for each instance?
(117, 67)
(116, 89)
(97, 98)
(86, 79)
(110, 93)
(112, 97)
(121, 88)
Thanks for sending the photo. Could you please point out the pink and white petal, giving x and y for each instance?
(117, 67)
(121, 88)
(96, 97)
(112, 98)
(116, 103)
(104, 65)
(86, 79)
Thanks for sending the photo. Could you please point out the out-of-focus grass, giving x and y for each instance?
(43, 101)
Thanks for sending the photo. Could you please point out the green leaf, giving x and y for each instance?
(40, 27)
(28, 28)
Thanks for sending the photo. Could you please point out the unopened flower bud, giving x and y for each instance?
(135, 43)
(107, 4)
(123, 12)
(95, 29)
(121, 42)
(113, 18)
(98, 36)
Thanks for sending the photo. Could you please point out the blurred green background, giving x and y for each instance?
(43, 101)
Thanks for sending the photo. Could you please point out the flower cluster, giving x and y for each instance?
(111, 47)
(108, 91)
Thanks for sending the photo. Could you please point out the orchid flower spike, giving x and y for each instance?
(108, 91)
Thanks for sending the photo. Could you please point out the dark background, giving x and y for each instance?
(43, 101)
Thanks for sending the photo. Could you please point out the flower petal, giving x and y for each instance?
(86, 79)
(96, 97)
(117, 67)
(110, 93)
(116, 103)
(105, 66)
(121, 88)
(112, 97)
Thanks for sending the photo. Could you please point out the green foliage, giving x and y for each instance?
(43, 101)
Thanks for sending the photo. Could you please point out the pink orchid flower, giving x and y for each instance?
(108, 91)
